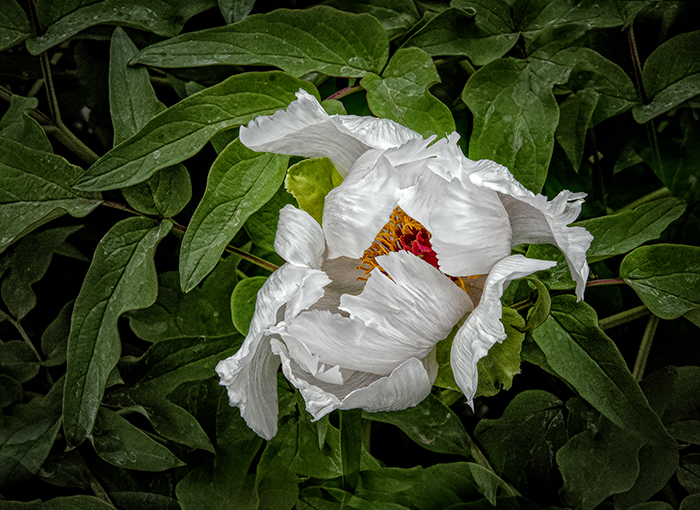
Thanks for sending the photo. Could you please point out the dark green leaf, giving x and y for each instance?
(691, 502)
(350, 447)
(587, 359)
(243, 302)
(63, 19)
(29, 262)
(656, 466)
(666, 277)
(163, 194)
(143, 500)
(520, 134)
(122, 444)
(262, 224)
(20, 127)
(521, 444)
(10, 391)
(682, 413)
(689, 473)
(14, 25)
(18, 361)
(671, 75)
(309, 181)
(540, 311)
(402, 95)
(27, 435)
(619, 233)
(66, 469)
(183, 129)
(396, 16)
(54, 340)
(36, 188)
(319, 39)
(62, 503)
(204, 311)
(483, 37)
(430, 424)
(533, 16)
(575, 116)
(597, 463)
(235, 10)
(240, 182)
(224, 484)
(122, 277)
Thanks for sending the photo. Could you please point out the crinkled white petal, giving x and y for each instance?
(483, 326)
(304, 129)
(406, 386)
(299, 238)
(469, 226)
(414, 304)
(534, 220)
(355, 211)
(377, 133)
(250, 374)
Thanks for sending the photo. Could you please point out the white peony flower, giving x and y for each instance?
(415, 238)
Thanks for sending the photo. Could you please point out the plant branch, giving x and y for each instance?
(645, 348)
(623, 317)
(606, 281)
(344, 92)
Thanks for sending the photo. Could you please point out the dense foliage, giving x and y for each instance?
(135, 231)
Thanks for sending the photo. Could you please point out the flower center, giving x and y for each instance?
(403, 233)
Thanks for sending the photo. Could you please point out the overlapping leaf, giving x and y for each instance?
(320, 39)
(14, 25)
(182, 130)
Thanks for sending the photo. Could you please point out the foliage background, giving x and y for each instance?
(122, 184)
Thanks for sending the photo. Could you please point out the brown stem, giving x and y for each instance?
(344, 92)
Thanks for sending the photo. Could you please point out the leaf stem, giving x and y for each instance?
(645, 348)
(22, 333)
(606, 281)
(344, 92)
(623, 317)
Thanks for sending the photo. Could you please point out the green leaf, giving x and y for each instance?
(666, 277)
(309, 181)
(480, 30)
(533, 16)
(240, 182)
(132, 104)
(27, 436)
(18, 361)
(401, 93)
(540, 310)
(170, 367)
(28, 264)
(63, 19)
(689, 473)
(224, 484)
(122, 277)
(35, 189)
(235, 10)
(350, 447)
(183, 129)
(123, 445)
(619, 233)
(204, 311)
(575, 118)
(243, 302)
(521, 134)
(61, 503)
(587, 359)
(396, 16)
(690, 502)
(14, 25)
(431, 424)
(502, 363)
(54, 340)
(262, 224)
(656, 466)
(17, 125)
(521, 444)
(319, 39)
(671, 75)
(597, 463)
(681, 415)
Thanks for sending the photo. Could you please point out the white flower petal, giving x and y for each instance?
(250, 374)
(376, 133)
(405, 387)
(469, 226)
(415, 306)
(356, 211)
(534, 220)
(299, 238)
(304, 129)
(483, 327)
